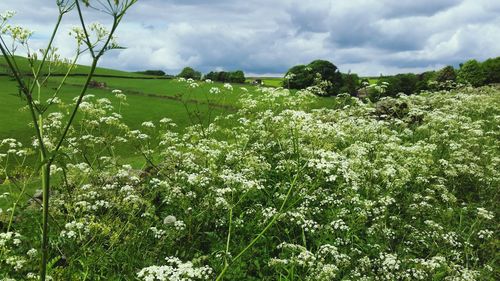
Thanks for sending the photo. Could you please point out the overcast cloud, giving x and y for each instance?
(265, 37)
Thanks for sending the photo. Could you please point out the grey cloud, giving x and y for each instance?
(262, 36)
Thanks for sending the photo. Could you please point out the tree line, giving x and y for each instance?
(471, 72)
(298, 77)
(237, 76)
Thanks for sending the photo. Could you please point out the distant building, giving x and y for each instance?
(98, 85)
(257, 82)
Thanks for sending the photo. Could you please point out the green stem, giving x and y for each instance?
(44, 59)
(45, 223)
(257, 238)
(229, 234)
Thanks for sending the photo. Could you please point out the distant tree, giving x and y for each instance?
(237, 77)
(423, 81)
(491, 68)
(211, 76)
(400, 83)
(223, 76)
(299, 77)
(189, 72)
(154, 72)
(329, 72)
(446, 74)
(303, 76)
(472, 73)
(351, 84)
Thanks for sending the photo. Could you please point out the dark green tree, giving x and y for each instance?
(423, 80)
(303, 76)
(298, 77)
(189, 72)
(351, 84)
(491, 68)
(471, 72)
(446, 74)
(237, 77)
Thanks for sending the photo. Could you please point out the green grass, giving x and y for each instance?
(24, 67)
(268, 81)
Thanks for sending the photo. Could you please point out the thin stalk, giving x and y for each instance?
(45, 54)
(257, 238)
(228, 235)
(45, 222)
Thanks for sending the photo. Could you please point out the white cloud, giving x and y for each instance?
(261, 36)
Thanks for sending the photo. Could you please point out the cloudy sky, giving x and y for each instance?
(266, 37)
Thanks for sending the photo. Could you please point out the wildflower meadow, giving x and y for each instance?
(273, 184)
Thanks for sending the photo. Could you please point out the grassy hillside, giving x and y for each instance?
(149, 99)
(24, 67)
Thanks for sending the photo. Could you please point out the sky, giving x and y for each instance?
(267, 37)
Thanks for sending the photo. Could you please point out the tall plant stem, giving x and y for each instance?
(259, 236)
(46, 52)
(45, 222)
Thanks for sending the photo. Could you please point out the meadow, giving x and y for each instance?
(171, 179)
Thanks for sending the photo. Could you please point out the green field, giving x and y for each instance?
(149, 99)
(60, 69)
(268, 81)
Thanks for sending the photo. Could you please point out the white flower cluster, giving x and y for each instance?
(175, 270)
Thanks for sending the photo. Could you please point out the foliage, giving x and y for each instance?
(226, 77)
(491, 68)
(400, 83)
(424, 81)
(351, 84)
(190, 73)
(94, 39)
(471, 72)
(303, 76)
(446, 74)
(154, 72)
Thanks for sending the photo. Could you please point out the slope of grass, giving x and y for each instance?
(24, 67)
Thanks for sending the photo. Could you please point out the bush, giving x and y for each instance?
(302, 76)
(471, 72)
(190, 73)
(491, 68)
